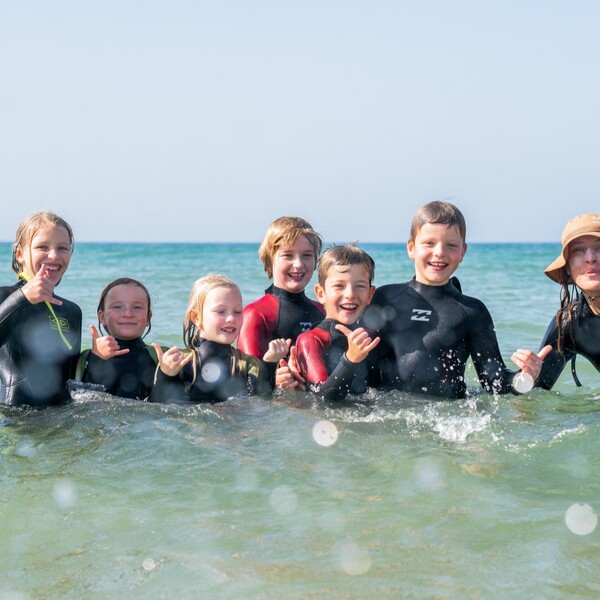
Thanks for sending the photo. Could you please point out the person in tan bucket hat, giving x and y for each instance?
(576, 327)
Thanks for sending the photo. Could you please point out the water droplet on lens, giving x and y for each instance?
(65, 494)
(581, 519)
(284, 500)
(523, 382)
(148, 564)
(325, 433)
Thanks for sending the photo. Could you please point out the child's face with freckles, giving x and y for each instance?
(437, 250)
(294, 265)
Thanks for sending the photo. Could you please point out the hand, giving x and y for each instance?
(40, 288)
(530, 362)
(288, 375)
(359, 343)
(105, 346)
(173, 360)
(277, 350)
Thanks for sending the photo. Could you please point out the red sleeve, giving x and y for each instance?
(312, 347)
(260, 318)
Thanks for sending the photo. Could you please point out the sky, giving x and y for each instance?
(203, 121)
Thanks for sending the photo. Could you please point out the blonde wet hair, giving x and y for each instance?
(284, 231)
(30, 225)
(200, 289)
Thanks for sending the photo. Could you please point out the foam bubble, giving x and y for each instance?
(325, 433)
(523, 382)
(354, 560)
(283, 499)
(65, 494)
(581, 519)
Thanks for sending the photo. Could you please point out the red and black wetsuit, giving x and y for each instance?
(583, 337)
(35, 363)
(278, 314)
(129, 375)
(323, 362)
(427, 335)
(217, 373)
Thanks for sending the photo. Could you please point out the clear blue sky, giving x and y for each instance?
(174, 120)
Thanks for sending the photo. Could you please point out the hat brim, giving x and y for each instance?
(556, 268)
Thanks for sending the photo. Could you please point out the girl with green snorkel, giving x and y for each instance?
(40, 333)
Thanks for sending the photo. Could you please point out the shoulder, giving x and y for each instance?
(262, 304)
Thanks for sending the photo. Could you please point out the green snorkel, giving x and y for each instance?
(27, 277)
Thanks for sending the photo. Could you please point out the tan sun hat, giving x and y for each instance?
(588, 224)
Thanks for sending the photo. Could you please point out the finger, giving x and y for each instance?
(159, 351)
(347, 332)
(293, 363)
(544, 352)
(282, 363)
(94, 332)
(187, 359)
(120, 352)
(373, 344)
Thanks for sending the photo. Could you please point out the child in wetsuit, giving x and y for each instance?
(120, 360)
(289, 253)
(331, 357)
(40, 333)
(213, 370)
(429, 329)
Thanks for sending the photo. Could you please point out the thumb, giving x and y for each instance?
(545, 351)
(343, 329)
(159, 351)
(282, 363)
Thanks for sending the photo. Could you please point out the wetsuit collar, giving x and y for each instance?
(280, 293)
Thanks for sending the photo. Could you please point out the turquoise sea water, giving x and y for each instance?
(488, 497)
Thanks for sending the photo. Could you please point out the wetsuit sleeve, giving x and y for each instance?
(554, 362)
(258, 326)
(493, 373)
(311, 356)
(10, 311)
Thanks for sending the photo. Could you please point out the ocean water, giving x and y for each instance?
(391, 496)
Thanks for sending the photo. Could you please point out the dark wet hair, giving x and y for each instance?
(124, 281)
(438, 213)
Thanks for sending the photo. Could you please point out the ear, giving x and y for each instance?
(194, 317)
(410, 248)
(463, 252)
(101, 318)
(19, 255)
(320, 293)
(371, 292)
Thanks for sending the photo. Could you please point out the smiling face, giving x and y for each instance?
(437, 251)
(583, 263)
(221, 315)
(49, 246)
(125, 315)
(294, 265)
(346, 293)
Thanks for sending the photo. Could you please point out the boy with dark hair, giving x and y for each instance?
(429, 329)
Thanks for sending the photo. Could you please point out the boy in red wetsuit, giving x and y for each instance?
(289, 254)
(331, 357)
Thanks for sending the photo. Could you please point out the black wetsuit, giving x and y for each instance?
(35, 363)
(427, 335)
(220, 372)
(323, 362)
(129, 375)
(583, 338)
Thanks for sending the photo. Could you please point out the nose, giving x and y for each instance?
(297, 262)
(591, 254)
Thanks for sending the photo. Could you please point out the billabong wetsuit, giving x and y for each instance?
(35, 362)
(323, 362)
(278, 314)
(218, 372)
(583, 338)
(427, 335)
(129, 375)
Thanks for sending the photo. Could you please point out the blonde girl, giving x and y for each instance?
(40, 333)
(212, 370)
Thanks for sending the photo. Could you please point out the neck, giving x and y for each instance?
(593, 303)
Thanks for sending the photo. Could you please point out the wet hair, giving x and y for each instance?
(200, 289)
(284, 231)
(438, 213)
(29, 226)
(124, 281)
(344, 255)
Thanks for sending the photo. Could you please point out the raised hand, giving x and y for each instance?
(105, 346)
(173, 360)
(288, 375)
(530, 362)
(360, 343)
(277, 350)
(40, 288)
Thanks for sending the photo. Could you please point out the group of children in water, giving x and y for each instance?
(415, 337)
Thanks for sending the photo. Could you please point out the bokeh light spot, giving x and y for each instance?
(325, 433)
(581, 519)
(284, 500)
(65, 494)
